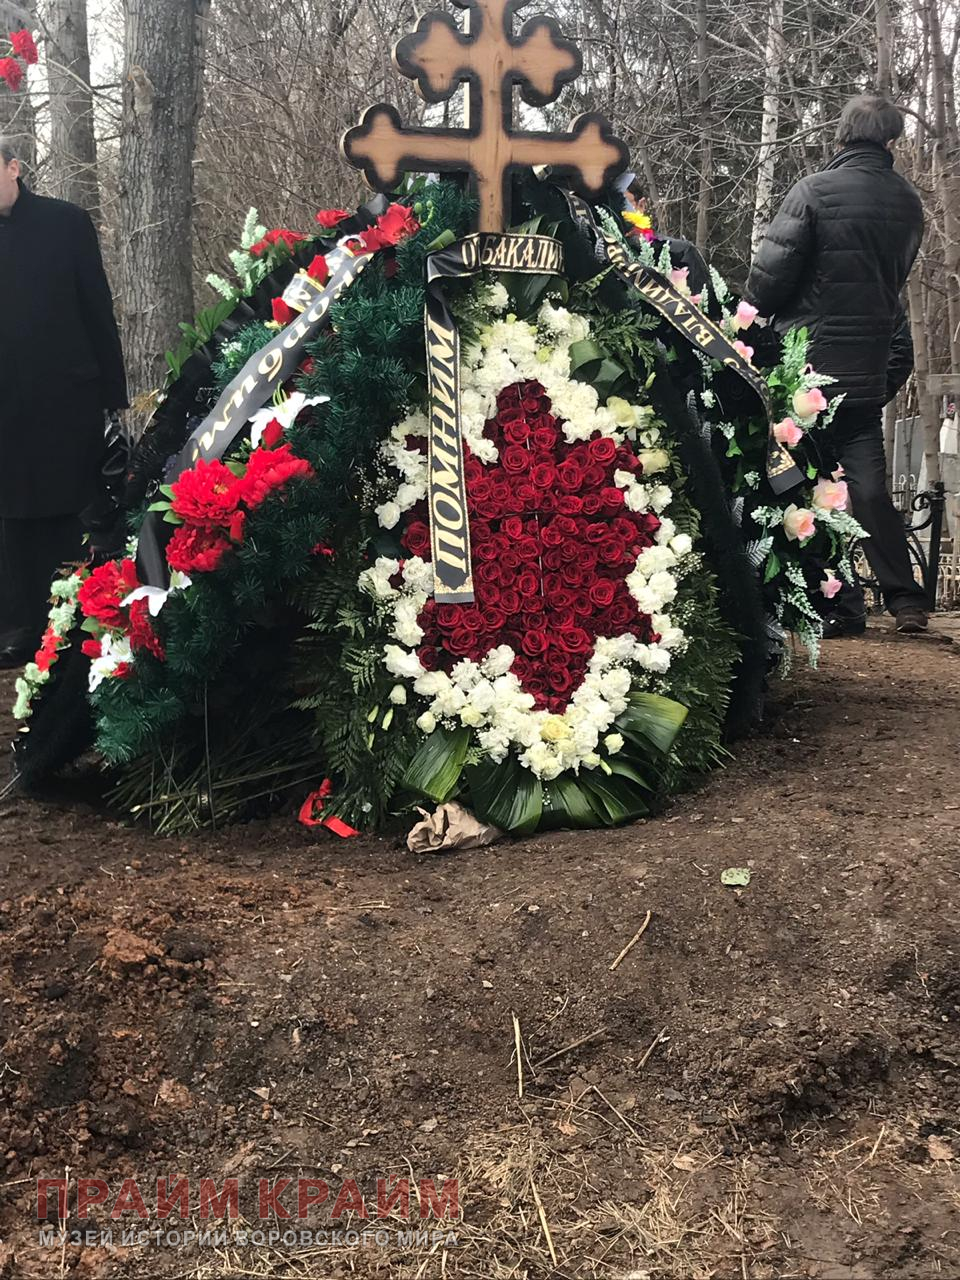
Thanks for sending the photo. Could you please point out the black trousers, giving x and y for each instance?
(31, 552)
(856, 435)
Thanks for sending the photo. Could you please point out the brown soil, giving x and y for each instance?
(771, 1084)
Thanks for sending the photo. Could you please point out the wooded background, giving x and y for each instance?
(168, 119)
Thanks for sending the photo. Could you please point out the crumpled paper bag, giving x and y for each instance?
(450, 827)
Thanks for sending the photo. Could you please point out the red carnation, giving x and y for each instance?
(195, 550)
(318, 269)
(12, 72)
(42, 659)
(272, 434)
(237, 521)
(270, 469)
(100, 594)
(330, 217)
(279, 236)
(24, 46)
(395, 225)
(207, 495)
(142, 634)
(282, 314)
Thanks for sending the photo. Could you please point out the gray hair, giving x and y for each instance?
(870, 118)
(7, 150)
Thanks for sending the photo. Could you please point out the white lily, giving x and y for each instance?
(285, 413)
(156, 597)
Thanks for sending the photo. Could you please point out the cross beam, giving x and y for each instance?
(490, 60)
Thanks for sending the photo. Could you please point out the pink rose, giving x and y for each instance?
(744, 316)
(799, 523)
(830, 585)
(831, 495)
(838, 474)
(678, 278)
(787, 433)
(745, 351)
(807, 404)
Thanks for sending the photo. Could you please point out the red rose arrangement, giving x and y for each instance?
(552, 544)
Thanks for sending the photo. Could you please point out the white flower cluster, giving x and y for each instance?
(487, 696)
(114, 651)
(60, 619)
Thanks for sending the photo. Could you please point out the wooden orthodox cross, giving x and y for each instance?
(490, 59)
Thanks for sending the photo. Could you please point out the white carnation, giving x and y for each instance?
(682, 544)
(498, 661)
(660, 498)
(400, 662)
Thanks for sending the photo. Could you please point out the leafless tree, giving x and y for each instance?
(161, 100)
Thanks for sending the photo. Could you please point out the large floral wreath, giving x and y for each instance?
(575, 562)
(297, 640)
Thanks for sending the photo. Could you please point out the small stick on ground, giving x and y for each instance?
(543, 1222)
(519, 1048)
(568, 1048)
(660, 1036)
(633, 941)
(619, 1114)
(63, 1222)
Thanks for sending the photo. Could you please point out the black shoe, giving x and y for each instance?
(911, 620)
(834, 627)
(11, 659)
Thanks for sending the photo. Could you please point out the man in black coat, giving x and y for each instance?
(61, 368)
(835, 260)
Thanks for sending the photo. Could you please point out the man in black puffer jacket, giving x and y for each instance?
(835, 260)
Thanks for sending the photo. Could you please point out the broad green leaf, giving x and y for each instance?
(773, 567)
(585, 352)
(506, 795)
(526, 291)
(435, 769)
(566, 803)
(624, 769)
(618, 798)
(159, 506)
(654, 717)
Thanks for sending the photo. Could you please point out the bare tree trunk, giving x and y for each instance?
(884, 47)
(72, 167)
(890, 438)
(771, 119)
(928, 404)
(17, 115)
(946, 169)
(163, 47)
(706, 125)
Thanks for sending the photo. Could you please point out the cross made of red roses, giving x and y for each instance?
(490, 60)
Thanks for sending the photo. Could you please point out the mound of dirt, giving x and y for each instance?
(765, 1086)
